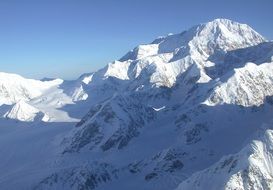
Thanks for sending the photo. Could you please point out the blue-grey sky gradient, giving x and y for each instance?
(64, 38)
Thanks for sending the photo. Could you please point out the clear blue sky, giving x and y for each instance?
(64, 38)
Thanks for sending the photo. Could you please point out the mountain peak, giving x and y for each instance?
(22, 111)
(222, 21)
(217, 35)
(224, 35)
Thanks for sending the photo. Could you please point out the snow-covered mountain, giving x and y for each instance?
(48, 96)
(188, 111)
(24, 112)
(14, 88)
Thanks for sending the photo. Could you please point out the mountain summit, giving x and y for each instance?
(204, 39)
(166, 58)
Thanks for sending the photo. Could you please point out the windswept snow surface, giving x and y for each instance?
(188, 111)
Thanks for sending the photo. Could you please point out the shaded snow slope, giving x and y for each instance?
(251, 168)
